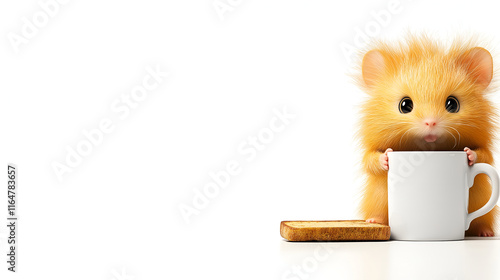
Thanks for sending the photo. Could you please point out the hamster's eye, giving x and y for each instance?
(405, 105)
(452, 104)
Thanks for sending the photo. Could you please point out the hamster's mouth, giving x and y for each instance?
(430, 138)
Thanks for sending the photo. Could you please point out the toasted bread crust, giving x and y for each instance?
(344, 230)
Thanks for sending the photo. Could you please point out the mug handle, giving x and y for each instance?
(487, 169)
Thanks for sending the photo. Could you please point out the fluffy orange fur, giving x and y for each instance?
(428, 73)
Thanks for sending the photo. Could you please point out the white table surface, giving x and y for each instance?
(473, 258)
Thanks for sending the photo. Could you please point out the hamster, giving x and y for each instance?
(423, 96)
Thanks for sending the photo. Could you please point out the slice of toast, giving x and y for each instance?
(347, 230)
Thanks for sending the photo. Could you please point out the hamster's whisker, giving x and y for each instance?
(400, 139)
(452, 134)
(453, 138)
(466, 124)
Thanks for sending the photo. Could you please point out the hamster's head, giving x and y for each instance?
(422, 97)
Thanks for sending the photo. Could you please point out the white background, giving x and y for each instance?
(116, 214)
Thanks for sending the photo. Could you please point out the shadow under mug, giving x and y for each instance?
(428, 194)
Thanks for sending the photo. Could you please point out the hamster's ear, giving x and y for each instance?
(373, 67)
(479, 64)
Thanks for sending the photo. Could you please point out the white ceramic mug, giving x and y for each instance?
(428, 194)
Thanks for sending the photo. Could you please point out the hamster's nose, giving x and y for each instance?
(430, 122)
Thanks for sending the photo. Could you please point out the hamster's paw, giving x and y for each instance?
(384, 159)
(377, 220)
(486, 232)
(471, 155)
